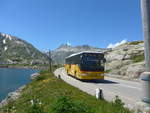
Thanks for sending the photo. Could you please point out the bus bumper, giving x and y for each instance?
(91, 76)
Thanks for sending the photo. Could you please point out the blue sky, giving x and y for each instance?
(48, 23)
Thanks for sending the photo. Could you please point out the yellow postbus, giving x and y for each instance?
(86, 65)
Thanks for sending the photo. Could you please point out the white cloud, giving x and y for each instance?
(69, 44)
(116, 44)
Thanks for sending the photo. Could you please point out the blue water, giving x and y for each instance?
(11, 79)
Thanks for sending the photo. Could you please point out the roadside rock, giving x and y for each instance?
(141, 107)
(33, 76)
(12, 96)
(135, 70)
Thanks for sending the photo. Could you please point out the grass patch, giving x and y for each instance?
(38, 78)
(52, 95)
(109, 70)
(65, 105)
(138, 58)
(135, 42)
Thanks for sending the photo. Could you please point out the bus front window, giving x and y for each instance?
(92, 63)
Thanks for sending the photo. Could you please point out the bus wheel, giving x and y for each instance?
(67, 72)
(75, 74)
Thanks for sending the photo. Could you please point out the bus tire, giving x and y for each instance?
(67, 72)
(75, 74)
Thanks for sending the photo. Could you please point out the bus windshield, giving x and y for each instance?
(92, 63)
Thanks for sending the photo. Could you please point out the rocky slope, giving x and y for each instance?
(16, 51)
(65, 50)
(126, 61)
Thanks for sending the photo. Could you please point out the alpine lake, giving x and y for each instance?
(13, 78)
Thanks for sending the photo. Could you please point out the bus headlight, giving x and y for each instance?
(84, 74)
(101, 74)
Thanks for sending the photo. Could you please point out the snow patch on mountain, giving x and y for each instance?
(4, 41)
(6, 36)
(5, 48)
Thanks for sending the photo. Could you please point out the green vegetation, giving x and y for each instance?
(48, 94)
(36, 107)
(135, 42)
(109, 70)
(118, 102)
(65, 105)
(138, 58)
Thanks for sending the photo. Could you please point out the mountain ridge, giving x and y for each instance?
(14, 50)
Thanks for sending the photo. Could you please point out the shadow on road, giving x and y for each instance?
(100, 81)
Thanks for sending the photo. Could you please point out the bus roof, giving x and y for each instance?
(82, 53)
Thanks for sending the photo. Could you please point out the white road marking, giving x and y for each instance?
(124, 85)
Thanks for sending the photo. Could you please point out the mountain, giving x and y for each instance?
(126, 61)
(13, 50)
(65, 50)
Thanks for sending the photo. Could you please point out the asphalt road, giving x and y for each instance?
(130, 92)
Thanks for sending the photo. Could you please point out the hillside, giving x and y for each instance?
(13, 50)
(126, 61)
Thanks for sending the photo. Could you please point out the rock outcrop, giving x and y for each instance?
(126, 61)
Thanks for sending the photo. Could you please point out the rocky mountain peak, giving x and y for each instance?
(6, 36)
(63, 46)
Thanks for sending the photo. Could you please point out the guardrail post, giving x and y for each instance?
(99, 93)
(59, 77)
